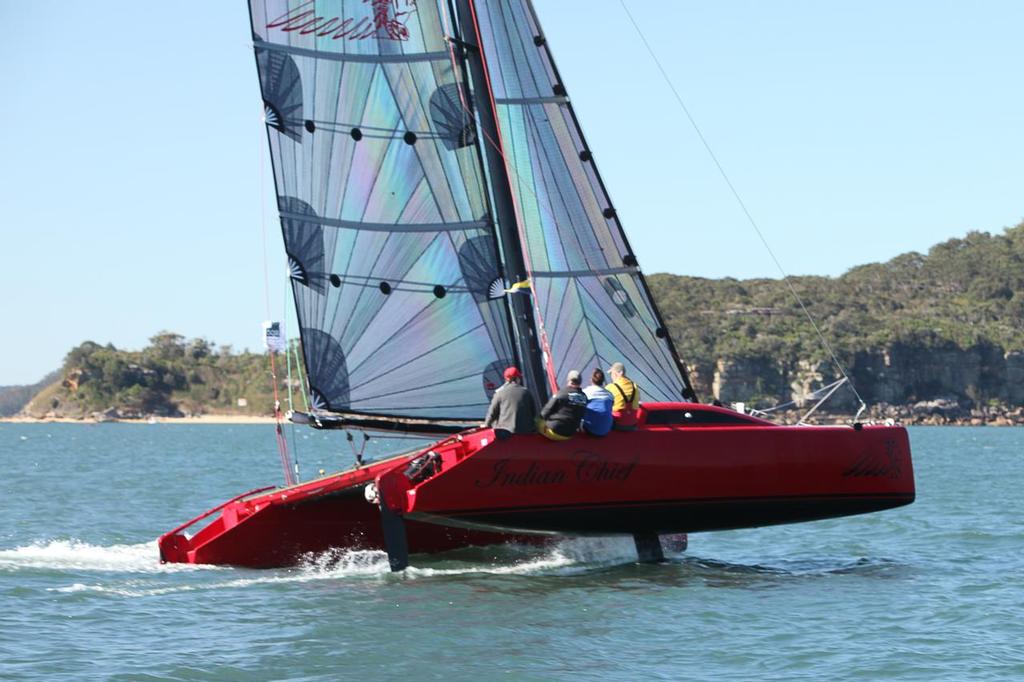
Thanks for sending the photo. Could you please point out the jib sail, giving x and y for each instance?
(591, 297)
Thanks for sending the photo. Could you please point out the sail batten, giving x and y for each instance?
(390, 227)
(347, 57)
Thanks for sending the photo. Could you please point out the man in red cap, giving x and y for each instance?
(512, 408)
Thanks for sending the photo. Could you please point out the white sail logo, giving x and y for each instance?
(386, 19)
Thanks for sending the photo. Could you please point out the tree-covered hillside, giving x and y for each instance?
(964, 294)
(14, 398)
(172, 376)
(964, 291)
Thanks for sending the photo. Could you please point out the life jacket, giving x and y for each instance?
(627, 415)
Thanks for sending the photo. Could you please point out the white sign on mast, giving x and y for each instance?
(273, 337)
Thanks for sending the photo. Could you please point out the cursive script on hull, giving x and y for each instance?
(589, 468)
(876, 464)
(384, 19)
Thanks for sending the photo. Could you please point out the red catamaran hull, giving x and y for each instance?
(687, 468)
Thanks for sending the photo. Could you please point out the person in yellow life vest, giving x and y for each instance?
(625, 396)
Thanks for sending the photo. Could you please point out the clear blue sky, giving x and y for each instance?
(132, 149)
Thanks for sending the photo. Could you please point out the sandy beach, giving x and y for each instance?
(202, 419)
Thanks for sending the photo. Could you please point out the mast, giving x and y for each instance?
(504, 204)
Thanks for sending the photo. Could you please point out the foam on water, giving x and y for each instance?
(569, 556)
(75, 555)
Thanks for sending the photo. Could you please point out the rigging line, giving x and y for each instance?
(303, 383)
(288, 359)
(287, 353)
(743, 206)
(282, 444)
(808, 396)
(263, 216)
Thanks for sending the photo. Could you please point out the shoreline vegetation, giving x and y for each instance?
(931, 338)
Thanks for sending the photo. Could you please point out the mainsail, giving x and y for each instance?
(392, 251)
(591, 298)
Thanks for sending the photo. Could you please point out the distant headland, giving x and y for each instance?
(934, 338)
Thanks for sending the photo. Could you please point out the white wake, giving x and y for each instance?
(75, 555)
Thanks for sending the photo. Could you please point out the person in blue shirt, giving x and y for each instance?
(597, 419)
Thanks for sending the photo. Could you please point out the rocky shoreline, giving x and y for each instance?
(941, 412)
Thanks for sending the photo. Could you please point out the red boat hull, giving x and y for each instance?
(717, 470)
(686, 468)
(288, 525)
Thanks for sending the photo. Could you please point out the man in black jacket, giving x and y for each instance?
(512, 408)
(560, 418)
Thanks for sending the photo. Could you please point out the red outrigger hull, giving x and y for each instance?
(283, 527)
(686, 468)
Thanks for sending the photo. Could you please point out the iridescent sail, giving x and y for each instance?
(391, 245)
(591, 297)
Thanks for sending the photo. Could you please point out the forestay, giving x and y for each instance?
(390, 241)
(592, 301)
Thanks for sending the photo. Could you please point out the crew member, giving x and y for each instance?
(561, 417)
(626, 397)
(597, 420)
(512, 408)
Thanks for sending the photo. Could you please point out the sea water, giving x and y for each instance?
(933, 591)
